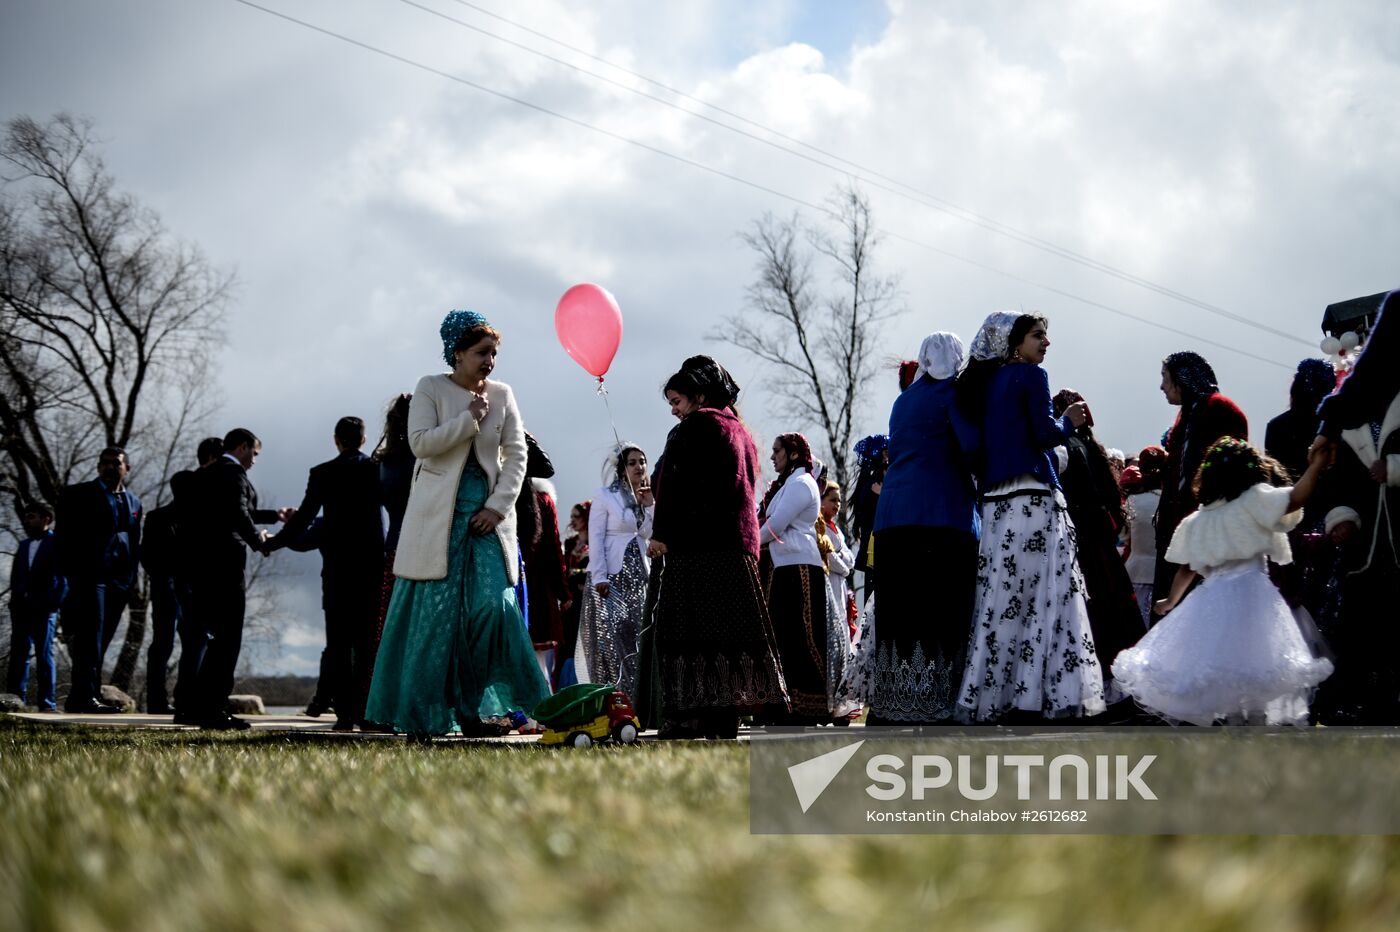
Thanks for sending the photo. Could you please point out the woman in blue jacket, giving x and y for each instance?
(1031, 648)
(926, 545)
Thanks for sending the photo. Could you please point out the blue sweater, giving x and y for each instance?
(1020, 426)
(932, 446)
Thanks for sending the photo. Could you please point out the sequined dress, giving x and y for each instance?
(455, 650)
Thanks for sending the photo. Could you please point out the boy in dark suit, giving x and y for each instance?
(36, 591)
(99, 544)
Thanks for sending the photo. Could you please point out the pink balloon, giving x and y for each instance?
(589, 324)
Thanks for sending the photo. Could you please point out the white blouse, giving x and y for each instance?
(791, 528)
(1142, 536)
(612, 525)
(840, 562)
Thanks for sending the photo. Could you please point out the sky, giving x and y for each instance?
(1241, 155)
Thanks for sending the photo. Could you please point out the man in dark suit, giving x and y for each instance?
(345, 491)
(222, 525)
(99, 544)
(36, 591)
(163, 558)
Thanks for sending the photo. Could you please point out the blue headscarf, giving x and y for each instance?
(453, 326)
(869, 449)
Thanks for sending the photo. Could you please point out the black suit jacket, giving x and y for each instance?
(36, 586)
(99, 541)
(345, 491)
(219, 514)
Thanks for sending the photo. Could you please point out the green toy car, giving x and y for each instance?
(584, 713)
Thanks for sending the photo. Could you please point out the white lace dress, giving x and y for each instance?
(1232, 649)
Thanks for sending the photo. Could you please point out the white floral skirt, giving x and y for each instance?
(1031, 647)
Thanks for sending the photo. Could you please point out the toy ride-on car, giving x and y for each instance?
(583, 713)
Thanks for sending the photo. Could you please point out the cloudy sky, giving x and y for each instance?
(1243, 155)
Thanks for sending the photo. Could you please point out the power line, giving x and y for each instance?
(413, 63)
(869, 177)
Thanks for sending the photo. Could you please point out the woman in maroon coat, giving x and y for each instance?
(709, 654)
(1205, 417)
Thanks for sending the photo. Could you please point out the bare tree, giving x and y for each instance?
(818, 343)
(106, 324)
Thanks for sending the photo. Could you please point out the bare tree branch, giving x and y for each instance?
(105, 323)
(819, 346)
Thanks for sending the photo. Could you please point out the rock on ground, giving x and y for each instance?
(246, 705)
(114, 696)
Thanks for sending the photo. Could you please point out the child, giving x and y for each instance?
(1234, 649)
(36, 591)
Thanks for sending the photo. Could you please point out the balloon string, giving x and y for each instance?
(602, 390)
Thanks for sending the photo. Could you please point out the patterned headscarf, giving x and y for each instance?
(869, 449)
(1314, 380)
(616, 470)
(799, 453)
(1193, 375)
(713, 381)
(941, 356)
(453, 326)
(991, 339)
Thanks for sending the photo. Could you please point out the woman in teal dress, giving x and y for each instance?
(455, 653)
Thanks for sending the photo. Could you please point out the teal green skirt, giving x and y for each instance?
(455, 650)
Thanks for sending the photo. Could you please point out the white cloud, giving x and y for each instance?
(1240, 154)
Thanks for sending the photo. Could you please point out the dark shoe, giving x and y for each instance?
(343, 724)
(316, 709)
(688, 730)
(224, 722)
(163, 709)
(376, 728)
(187, 718)
(91, 707)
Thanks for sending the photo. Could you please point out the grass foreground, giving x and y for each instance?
(109, 828)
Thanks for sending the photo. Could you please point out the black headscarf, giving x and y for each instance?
(1193, 375)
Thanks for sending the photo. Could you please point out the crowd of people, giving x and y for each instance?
(1025, 572)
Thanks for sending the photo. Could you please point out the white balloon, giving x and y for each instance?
(1350, 340)
(1330, 345)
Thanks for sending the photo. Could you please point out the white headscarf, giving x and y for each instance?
(941, 356)
(990, 342)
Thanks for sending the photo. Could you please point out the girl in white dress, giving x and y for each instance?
(1232, 649)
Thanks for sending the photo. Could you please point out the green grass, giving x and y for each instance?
(148, 830)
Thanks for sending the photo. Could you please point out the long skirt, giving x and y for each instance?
(1115, 620)
(814, 646)
(922, 619)
(455, 650)
(708, 647)
(1030, 647)
(1358, 621)
(610, 630)
(1233, 650)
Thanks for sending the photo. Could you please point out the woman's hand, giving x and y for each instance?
(1162, 606)
(602, 589)
(479, 407)
(644, 497)
(655, 548)
(1078, 414)
(484, 521)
